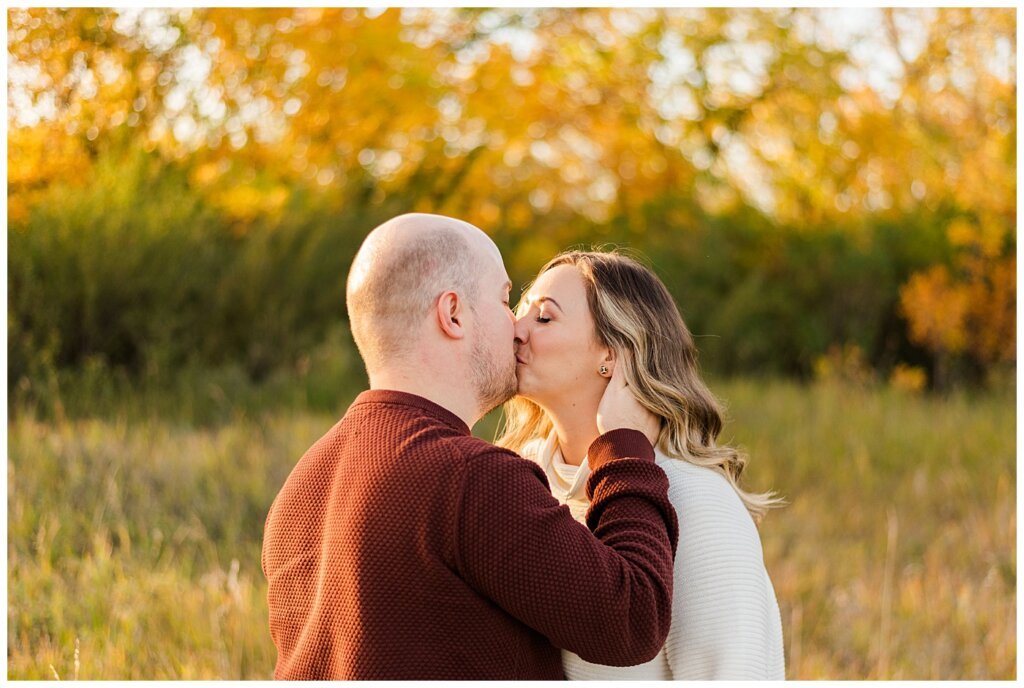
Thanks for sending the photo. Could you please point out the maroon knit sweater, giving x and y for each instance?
(402, 547)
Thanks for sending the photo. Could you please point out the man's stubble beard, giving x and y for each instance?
(495, 383)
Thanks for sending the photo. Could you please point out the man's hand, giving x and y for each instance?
(620, 409)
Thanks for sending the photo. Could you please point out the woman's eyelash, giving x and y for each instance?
(542, 319)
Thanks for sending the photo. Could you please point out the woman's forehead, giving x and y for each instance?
(562, 283)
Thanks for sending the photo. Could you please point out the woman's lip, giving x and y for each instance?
(520, 361)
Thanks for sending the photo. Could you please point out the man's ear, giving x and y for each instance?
(449, 315)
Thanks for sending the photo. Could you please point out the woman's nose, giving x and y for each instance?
(522, 330)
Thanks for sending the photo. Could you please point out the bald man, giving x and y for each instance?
(402, 547)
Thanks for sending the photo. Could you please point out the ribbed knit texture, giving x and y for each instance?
(725, 618)
(401, 547)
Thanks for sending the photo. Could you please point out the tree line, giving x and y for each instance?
(189, 186)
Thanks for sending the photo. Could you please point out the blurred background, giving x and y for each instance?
(830, 195)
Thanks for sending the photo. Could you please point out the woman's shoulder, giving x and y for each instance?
(684, 476)
(700, 493)
(533, 449)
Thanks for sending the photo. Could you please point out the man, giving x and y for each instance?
(401, 547)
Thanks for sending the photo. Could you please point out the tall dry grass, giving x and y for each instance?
(138, 537)
(896, 558)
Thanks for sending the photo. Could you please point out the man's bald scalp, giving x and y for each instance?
(401, 269)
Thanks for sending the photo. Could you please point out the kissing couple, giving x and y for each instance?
(604, 536)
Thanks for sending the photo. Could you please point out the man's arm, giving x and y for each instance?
(606, 598)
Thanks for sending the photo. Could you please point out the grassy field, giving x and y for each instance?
(135, 537)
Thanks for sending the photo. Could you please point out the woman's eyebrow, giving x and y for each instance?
(542, 299)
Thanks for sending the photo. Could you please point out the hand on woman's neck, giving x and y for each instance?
(576, 428)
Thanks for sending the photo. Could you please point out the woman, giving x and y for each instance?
(585, 314)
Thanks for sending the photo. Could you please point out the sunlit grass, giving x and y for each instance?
(896, 556)
(143, 540)
(894, 559)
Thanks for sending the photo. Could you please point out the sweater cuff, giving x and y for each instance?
(619, 444)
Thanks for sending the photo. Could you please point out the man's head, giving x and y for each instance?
(426, 293)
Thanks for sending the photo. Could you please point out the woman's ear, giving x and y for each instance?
(607, 366)
(449, 314)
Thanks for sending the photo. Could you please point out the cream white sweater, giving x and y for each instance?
(725, 619)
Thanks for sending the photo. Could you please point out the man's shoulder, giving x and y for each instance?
(428, 436)
(396, 420)
(485, 460)
(477, 450)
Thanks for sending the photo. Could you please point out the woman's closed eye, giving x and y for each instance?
(541, 318)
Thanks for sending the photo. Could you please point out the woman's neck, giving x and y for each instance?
(576, 429)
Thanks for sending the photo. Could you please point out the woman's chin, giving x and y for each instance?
(525, 392)
(528, 387)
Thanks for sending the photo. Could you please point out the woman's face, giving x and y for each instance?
(559, 356)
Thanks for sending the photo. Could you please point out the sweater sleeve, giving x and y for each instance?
(517, 546)
(720, 616)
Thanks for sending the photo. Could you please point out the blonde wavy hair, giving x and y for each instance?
(635, 315)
